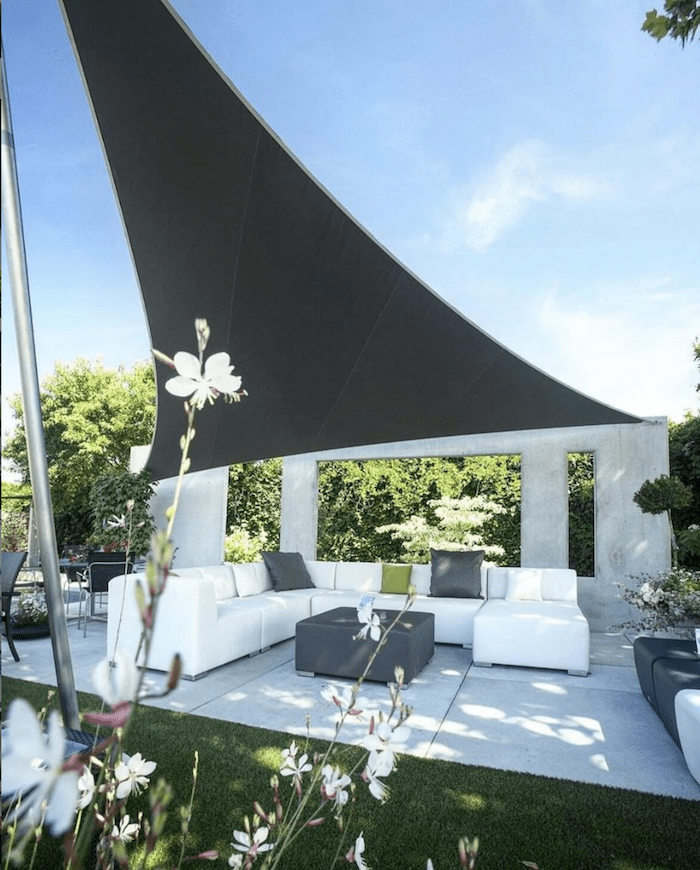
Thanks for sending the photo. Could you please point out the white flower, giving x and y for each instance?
(116, 683)
(257, 844)
(341, 698)
(296, 769)
(372, 623)
(125, 831)
(383, 742)
(236, 861)
(116, 522)
(203, 387)
(291, 752)
(133, 776)
(86, 784)
(333, 786)
(377, 788)
(355, 854)
(32, 771)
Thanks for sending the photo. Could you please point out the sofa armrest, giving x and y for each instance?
(186, 608)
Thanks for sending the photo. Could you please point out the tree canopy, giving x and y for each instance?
(92, 417)
(681, 21)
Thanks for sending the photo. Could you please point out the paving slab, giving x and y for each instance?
(597, 729)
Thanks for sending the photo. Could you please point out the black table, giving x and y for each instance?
(325, 645)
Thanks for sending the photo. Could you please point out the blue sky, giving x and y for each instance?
(536, 163)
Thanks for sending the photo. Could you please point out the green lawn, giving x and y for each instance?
(556, 824)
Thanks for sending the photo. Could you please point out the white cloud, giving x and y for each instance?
(631, 348)
(527, 173)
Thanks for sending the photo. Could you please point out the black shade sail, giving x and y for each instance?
(337, 343)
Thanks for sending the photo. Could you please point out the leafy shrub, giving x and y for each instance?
(15, 531)
(241, 546)
(109, 497)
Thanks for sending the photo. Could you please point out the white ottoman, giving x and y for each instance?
(688, 722)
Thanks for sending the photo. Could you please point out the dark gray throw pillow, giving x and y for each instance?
(288, 571)
(456, 574)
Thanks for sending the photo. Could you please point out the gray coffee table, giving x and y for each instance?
(325, 645)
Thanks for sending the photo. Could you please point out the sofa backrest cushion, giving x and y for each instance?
(287, 571)
(358, 576)
(420, 578)
(189, 573)
(252, 578)
(557, 584)
(322, 573)
(456, 573)
(223, 580)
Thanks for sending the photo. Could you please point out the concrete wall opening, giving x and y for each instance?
(581, 492)
(391, 509)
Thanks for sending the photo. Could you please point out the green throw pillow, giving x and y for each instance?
(395, 579)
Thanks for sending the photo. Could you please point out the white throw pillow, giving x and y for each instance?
(251, 579)
(524, 584)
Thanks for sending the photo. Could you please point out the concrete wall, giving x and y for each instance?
(200, 523)
(626, 540)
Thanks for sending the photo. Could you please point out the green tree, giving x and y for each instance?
(253, 505)
(665, 494)
(458, 525)
(92, 417)
(681, 21)
(684, 458)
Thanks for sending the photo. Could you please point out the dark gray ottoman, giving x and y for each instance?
(664, 667)
(325, 645)
(670, 676)
(648, 649)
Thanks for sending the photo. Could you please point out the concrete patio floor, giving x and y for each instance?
(598, 729)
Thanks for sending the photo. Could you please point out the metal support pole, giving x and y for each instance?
(33, 426)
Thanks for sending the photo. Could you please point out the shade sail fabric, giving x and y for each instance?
(337, 343)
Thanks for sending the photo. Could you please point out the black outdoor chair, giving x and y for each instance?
(100, 570)
(10, 567)
(74, 570)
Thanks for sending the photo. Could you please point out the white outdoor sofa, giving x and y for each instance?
(217, 614)
(531, 618)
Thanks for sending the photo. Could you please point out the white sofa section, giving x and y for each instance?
(216, 614)
(687, 704)
(531, 618)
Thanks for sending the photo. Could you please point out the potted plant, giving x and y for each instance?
(668, 602)
(30, 615)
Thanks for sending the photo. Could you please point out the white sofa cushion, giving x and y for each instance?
(524, 584)
(222, 578)
(559, 584)
(420, 578)
(358, 577)
(188, 573)
(322, 574)
(252, 578)
(535, 634)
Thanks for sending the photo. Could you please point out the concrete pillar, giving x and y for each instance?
(299, 512)
(200, 524)
(544, 530)
(628, 542)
